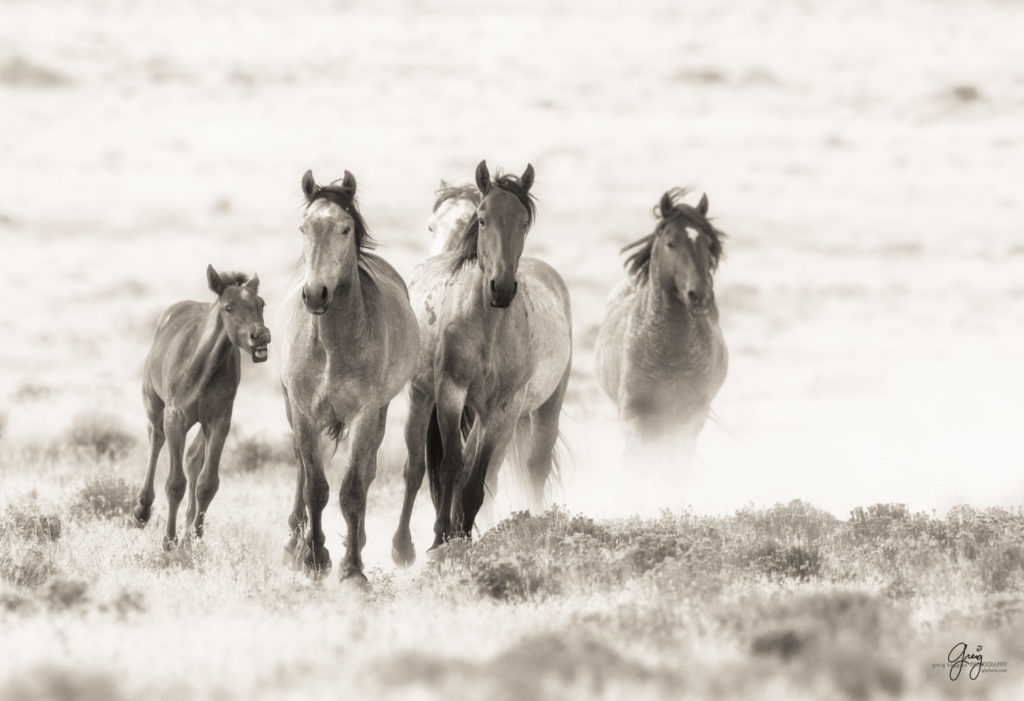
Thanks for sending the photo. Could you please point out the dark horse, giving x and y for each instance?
(349, 345)
(191, 376)
(660, 352)
(495, 354)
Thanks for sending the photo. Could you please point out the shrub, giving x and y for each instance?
(99, 436)
(794, 561)
(28, 567)
(30, 524)
(252, 454)
(66, 593)
(104, 498)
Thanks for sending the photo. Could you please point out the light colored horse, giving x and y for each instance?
(454, 208)
(496, 350)
(349, 344)
(661, 355)
(191, 376)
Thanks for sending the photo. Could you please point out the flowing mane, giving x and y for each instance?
(466, 252)
(456, 192)
(346, 199)
(638, 262)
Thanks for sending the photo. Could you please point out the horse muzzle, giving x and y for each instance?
(316, 302)
(258, 342)
(502, 295)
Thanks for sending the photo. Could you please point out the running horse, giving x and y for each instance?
(495, 355)
(349, 345)
(661, 355)
(191, 376)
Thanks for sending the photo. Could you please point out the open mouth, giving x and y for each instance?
(259, 354)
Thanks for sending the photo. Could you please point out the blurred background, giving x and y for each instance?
(864, 158)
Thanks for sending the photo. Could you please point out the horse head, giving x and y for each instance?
(241, 311)
(504, 216)
(334, 234)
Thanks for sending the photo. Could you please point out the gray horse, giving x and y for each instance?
(661, 355)
(349, 345)
(496, 349)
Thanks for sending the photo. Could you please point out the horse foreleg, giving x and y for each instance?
(451, 399)
(311, 555)
(209, 478)
(193, 466)
(155, 429)
(367, 432)
(175, 430)
(420, 405)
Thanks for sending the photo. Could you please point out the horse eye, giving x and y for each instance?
(346, 231)
(482, 223)
(228, 309)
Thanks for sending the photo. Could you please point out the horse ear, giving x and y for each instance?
(483, 178)
(666, 205)
(254, 283)
(444, 185)
(214, 280)
(348, 183)
(308, 185)
(526, 180)
(702, 206)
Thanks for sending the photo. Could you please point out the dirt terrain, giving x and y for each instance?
(862, 157)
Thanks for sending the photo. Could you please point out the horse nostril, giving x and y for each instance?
(323, 294)
(493, 287)
(692, 296)
(305, 299)
(515, 286)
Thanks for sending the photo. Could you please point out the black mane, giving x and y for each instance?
(466, 252)
(231, 277)
(638, 263)
(346, 199)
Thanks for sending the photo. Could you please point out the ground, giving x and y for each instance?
(861, 155)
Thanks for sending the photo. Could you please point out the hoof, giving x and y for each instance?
(402, 552)
(140, 516)
(170, 543)
(355, 581)
(315, 564)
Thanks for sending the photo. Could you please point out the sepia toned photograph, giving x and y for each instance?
(531, 350)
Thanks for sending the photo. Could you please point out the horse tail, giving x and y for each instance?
(521, 481)
(336, 432)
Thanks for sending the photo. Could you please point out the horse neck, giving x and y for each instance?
(213, 351)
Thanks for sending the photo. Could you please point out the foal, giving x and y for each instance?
(191, 376)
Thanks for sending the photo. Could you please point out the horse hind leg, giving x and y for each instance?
(175, 431)
(194, 458)
(155, 429)
(420, 406)
(540, 448)
(208, 481)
